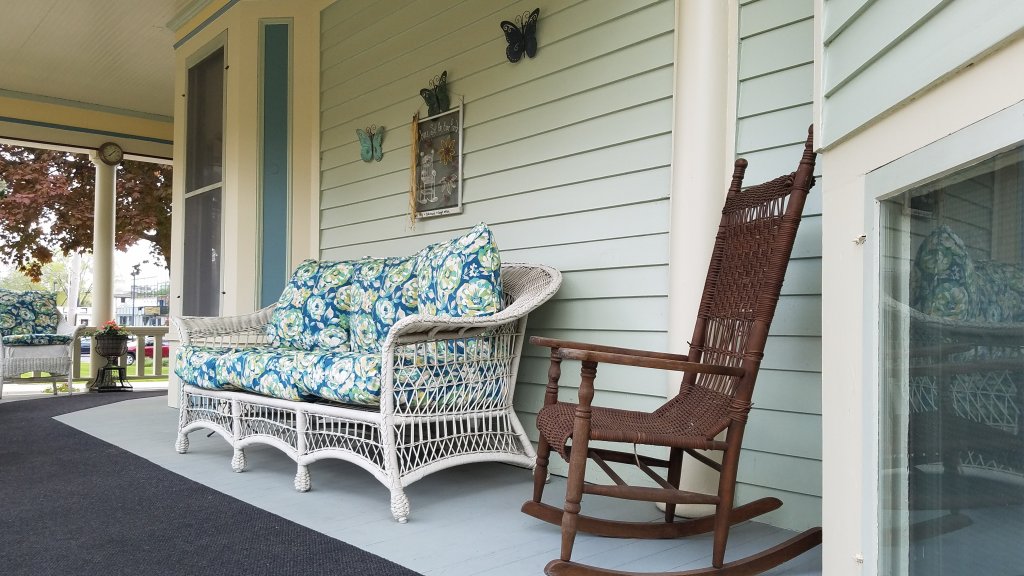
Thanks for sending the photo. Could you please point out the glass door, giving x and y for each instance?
(951, 334)
(204, 184)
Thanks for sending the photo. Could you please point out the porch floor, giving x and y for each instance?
(464, 520)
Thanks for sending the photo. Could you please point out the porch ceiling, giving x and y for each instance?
(108, 54)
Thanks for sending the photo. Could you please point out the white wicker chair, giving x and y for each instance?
(400, 441)
(52, 359)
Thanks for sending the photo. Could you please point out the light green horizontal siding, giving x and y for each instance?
(882, 53)
(839, 14)
(782, 447)
(566, 156)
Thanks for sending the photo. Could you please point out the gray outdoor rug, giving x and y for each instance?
(71, 504)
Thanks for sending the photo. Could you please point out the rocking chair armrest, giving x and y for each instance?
(648, 362)
(556, 343)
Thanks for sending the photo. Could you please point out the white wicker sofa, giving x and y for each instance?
(432, 390)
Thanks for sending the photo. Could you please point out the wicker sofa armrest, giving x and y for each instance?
(242, 330)
(486, 348)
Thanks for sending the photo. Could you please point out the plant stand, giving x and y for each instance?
(111, 377)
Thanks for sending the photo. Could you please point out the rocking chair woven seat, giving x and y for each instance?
(676, 424)
(748, 263)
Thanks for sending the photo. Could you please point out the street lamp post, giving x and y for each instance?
(135, 273)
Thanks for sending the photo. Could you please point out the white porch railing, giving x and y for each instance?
(136, 371)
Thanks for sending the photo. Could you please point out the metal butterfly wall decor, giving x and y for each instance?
(370, 140)
(522, 39)
(436, 95)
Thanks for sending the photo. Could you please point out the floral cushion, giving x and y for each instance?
(461, 277)
(36, 339)
(308, 315)
(31, 312)
(347, 377)
(197, 365)
(947, 282)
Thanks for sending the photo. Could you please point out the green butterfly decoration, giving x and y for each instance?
(370, 141)
(436, 95)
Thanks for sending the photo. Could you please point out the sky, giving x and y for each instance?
(149, 273)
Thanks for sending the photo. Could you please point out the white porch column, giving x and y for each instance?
(102, 248)
(699, 177)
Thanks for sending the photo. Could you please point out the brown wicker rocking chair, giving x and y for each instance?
(751, 252)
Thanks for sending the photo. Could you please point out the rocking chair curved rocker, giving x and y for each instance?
(748, 263)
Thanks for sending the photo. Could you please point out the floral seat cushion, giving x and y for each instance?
(347, 377)
(37, 339)
(947, 282)
(197, 365)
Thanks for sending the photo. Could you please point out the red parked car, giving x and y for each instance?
(148, 351)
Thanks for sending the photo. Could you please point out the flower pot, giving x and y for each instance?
(110, 346)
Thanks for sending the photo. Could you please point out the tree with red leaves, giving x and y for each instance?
(47, 199)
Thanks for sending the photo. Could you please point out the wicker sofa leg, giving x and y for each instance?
(302, 481)
(238, 460)
(399, 505)
(181, 444)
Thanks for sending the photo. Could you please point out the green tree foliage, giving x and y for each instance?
(56, 276)
(46, 207)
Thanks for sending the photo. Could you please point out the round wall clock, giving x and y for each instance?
(110, 153)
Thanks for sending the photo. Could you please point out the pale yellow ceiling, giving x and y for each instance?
(109, 53)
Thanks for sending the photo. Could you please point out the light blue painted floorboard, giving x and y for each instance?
(464, 520)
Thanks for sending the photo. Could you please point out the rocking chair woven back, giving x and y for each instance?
(748, 264)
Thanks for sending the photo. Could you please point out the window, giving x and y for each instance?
(951, 362)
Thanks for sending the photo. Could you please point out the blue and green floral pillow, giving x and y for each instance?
(308, 315)
(382, 292)
(352, 305)
(461, 277)
(31, 312)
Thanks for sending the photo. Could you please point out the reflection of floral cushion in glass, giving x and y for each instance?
(947, 282)
(308, 316)
(37, 339)
(461, 277)
(31, 312)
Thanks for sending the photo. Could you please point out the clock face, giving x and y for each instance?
(111, 153)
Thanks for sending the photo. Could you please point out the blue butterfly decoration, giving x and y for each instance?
(436, 95)
(522, 39)
(370, 141)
